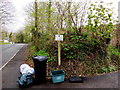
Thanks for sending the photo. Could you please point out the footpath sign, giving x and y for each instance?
(59, 38)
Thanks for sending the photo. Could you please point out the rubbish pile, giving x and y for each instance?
(25, 68)
(26, 78)
(39, 71)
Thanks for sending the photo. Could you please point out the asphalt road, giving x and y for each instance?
(11, 71)
(9, 51)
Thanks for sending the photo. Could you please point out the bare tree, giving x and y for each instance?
(71, 14)
(6, 16)
(49, 15)
(6, 12)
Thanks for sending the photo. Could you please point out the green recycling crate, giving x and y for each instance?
(57, 76)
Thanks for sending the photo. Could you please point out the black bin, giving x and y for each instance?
(40, 68)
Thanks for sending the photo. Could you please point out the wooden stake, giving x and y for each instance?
(59, 53)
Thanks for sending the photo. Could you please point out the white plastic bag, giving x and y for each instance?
(25, 68)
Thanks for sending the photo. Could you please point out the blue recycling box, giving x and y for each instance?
(57, 76)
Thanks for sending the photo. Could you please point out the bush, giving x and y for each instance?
(43, 53)
(81, 47)
(105, 70)
(114, 55)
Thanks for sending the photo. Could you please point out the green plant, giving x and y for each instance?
(114, 54)
(100, 23)
(43, 53)
(103, 70)
(112, 68)
(20, 37)
(107, 69)
(113, 51)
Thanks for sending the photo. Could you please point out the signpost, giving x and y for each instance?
(59, 38)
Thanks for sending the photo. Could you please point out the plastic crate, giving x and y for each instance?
(57, 76)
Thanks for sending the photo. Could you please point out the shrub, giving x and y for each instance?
(43, 53)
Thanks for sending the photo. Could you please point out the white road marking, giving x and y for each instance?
(10, 59)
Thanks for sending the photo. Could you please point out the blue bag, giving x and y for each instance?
(25, 80)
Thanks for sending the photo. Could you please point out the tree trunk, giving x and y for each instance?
(49, 16)
(69, 16)
(36, 40)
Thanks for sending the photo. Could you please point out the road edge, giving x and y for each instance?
(10, 59)
(0, 66)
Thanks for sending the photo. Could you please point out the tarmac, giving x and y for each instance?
(11, 72)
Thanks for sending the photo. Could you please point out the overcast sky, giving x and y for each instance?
(20, 6)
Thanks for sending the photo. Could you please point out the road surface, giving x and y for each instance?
(11, 71)
(9, 51)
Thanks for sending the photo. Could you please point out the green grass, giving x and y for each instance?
(2, 43)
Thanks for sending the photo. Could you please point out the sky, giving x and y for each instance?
(20, 15)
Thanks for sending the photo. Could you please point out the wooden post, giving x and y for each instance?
(59, 50)
(59, 53)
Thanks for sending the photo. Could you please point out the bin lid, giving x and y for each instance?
(40, 58)
(57, 72)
